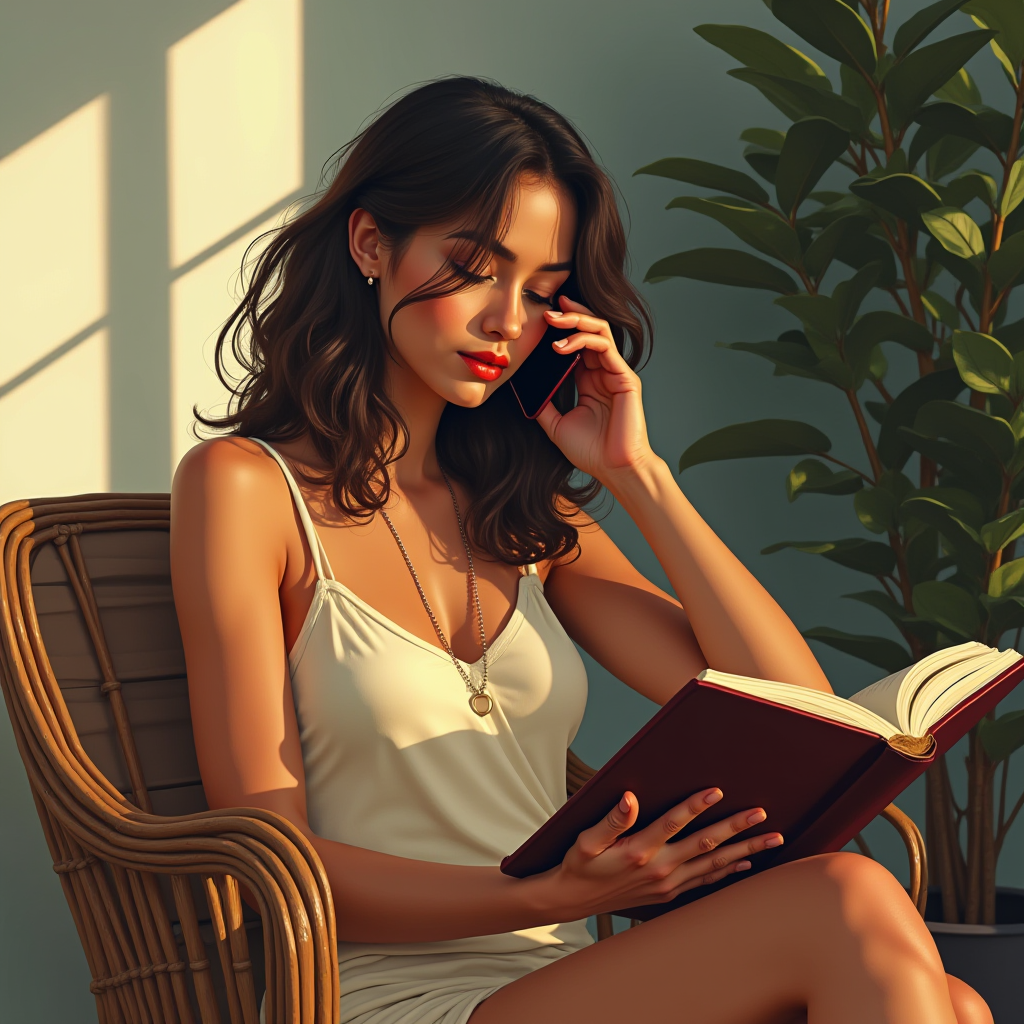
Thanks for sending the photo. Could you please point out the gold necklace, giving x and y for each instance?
(479, 699)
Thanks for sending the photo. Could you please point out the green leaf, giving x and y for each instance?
(1007, 18)
(921, 25)
(818, 313)
(809, 476)
(791, 354)
(1007, 262)
(882, 602)
(848, 295)
(875, 650)
(1002, 531)
(1002, 737)
(893, 449)
(823, 249)
(797, 100)
(763, 161)
(967, 272)
(989, 128)
(1014, 191)
(982, 476)
(876, 509)
(984, 364)
(963, 504)
(723, 266)
(766, 138)
(1007, 580)
(699, 172)
(852, 553)
(990, 436)
(878, 365)
(857, 250)
(833, 28)
(812, 146)
(941, 308)
(756, 439)
(911, 81)
(882, 325)
(955, 231)
(763, 52)
(905, 195)
(943, 518)
(752, 224)
(970, 185)
(961, 88)
(856, 90)
(948, 606)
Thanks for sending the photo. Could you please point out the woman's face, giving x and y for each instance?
(463, 346)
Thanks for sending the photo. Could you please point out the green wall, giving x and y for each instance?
(640, 85)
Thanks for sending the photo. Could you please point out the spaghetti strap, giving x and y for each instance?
(316, 546)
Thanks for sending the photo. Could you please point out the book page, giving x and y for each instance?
(882, 697)
(828, 705)
(934, 673)
(941, 695)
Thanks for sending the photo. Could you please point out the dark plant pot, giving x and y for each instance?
(990, 958)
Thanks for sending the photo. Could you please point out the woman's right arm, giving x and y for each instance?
(231, 514)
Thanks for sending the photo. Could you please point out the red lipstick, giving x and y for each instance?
(485, 365)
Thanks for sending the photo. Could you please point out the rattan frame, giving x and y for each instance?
(109, 851)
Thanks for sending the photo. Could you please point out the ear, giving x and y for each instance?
(364, 243)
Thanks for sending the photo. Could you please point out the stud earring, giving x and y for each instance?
(369, 280)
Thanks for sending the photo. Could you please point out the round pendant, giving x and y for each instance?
(481, 704)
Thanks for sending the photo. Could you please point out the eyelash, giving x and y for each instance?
(467, 275)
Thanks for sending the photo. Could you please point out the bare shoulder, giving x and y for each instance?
(591, 536)
(233, 476)
(229, 490)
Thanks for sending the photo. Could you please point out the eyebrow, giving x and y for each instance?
(504, 252)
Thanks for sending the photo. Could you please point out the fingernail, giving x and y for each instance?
(713, 797)
(744, 865)
(757, 816)
(555, 312)
(624, 804)
(774, 841)
(562, 343)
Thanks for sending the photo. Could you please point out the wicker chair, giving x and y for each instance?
(93, 674)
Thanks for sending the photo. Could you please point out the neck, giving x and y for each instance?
(421, 409)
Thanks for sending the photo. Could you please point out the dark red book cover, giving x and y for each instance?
(819, 781)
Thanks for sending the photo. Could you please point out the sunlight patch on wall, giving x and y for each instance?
(56, 427)
(234, 121)
(201, 301)
(54, 418)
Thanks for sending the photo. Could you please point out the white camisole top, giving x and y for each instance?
(396, 761)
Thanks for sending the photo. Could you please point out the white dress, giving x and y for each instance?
(396, 761)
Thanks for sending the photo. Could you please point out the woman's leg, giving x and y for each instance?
(969, 1006)
(835, 934)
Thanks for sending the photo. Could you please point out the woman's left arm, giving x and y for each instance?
(730, 621)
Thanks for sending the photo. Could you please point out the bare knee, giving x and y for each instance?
(969, 1007)
(872, 905)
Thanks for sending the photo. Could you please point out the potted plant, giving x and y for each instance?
(919, 245)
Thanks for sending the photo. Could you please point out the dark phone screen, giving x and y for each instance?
(544, 369)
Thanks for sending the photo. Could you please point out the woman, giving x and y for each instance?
(413, 719)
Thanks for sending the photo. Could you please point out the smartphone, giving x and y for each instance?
(544, 369)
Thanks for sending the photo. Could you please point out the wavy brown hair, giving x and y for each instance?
(308, 331)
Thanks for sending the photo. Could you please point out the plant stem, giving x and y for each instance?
(882, 390)
(846, 465)
(940, 829)
(865, 435)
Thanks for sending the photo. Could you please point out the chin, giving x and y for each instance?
(467, 393)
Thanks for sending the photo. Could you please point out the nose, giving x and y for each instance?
(503, 319)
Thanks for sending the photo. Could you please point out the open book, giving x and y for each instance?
(900, 708)
(820, 765)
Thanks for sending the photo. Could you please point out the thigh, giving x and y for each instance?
(758, 952)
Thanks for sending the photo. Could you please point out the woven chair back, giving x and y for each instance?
(94, 679)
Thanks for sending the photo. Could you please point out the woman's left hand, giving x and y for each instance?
(605, 433)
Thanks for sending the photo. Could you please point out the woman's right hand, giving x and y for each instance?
(604, 871)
